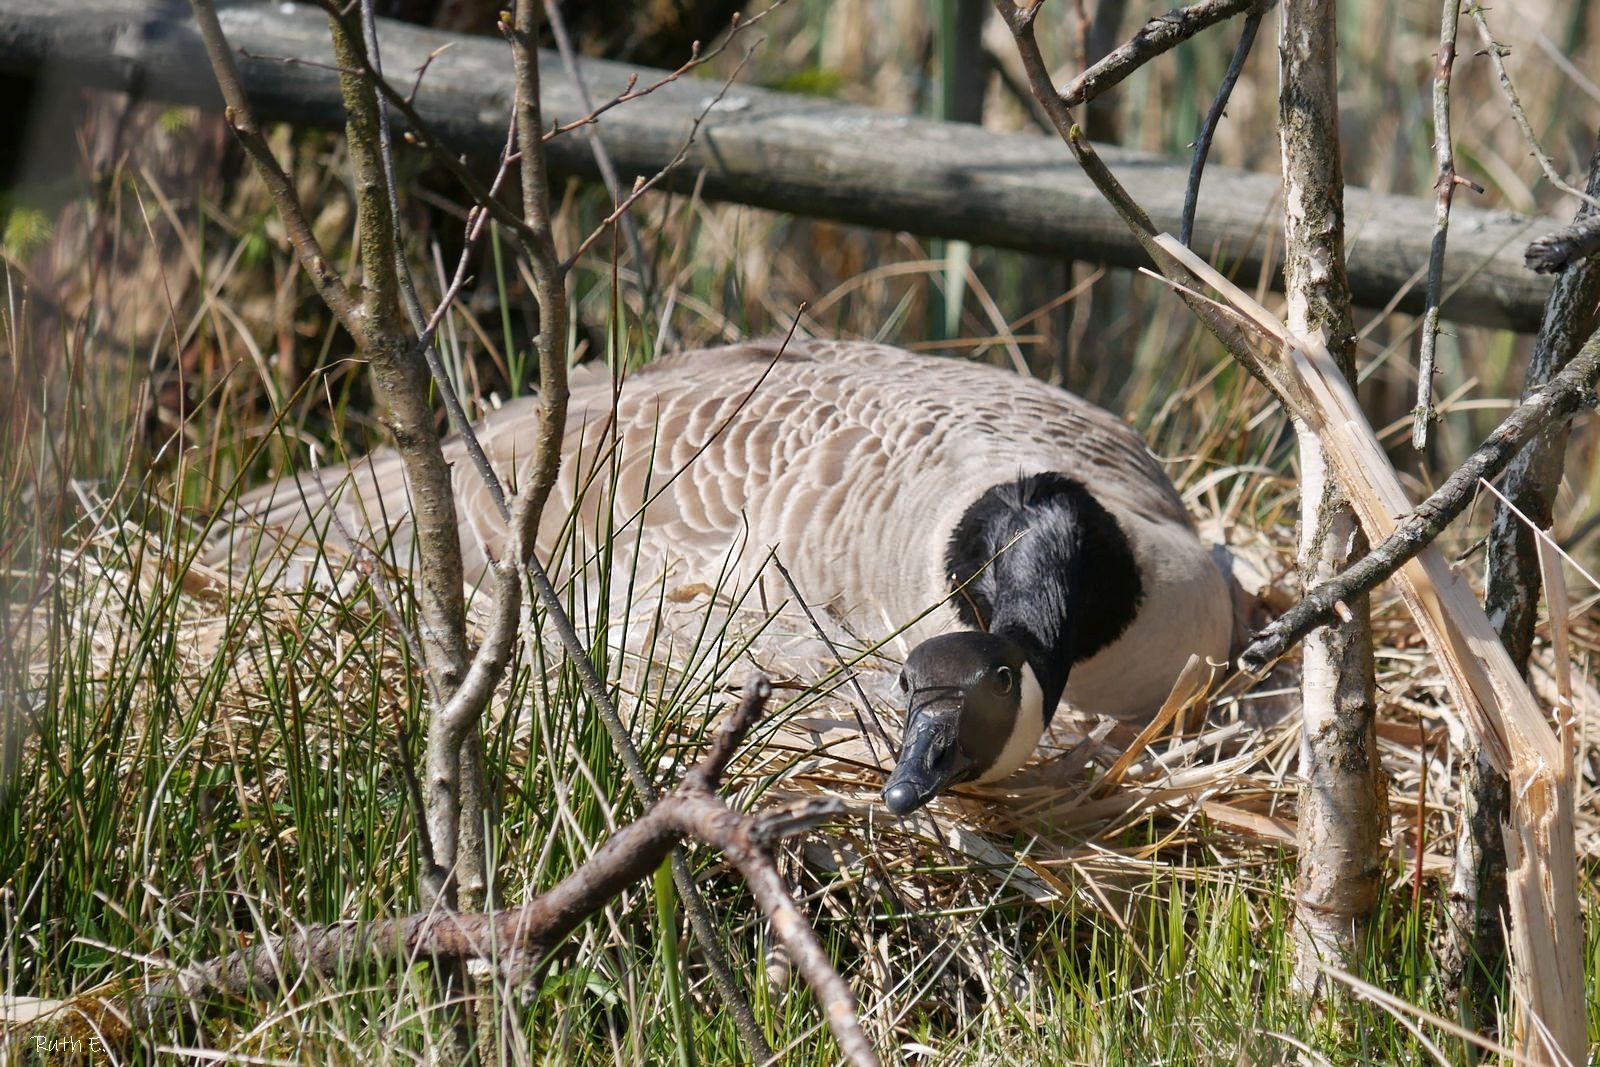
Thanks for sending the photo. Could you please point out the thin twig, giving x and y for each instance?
(1208, 129)
(1566, 393)
(517, 941)
(602, 158)
(422, 134)
(456, 720)
(644, 185)
(1497, 53)
(1222, 322)
(1444, 189)
(531, 235)
(861, 694)
(696, 59)
(1161, 34)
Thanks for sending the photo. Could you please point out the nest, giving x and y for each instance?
(930, 905)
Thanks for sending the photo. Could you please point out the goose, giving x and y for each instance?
(1027, 539)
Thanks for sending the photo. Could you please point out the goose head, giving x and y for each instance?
(974, 712)
(1048, 577)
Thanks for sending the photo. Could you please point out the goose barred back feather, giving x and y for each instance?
(855, 462)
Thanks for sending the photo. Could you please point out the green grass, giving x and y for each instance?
(190, 766)
(204, 766)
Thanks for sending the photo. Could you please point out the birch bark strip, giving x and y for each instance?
(1339, 871)
(1546, 973)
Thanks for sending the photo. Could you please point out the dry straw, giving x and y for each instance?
(1547, 933)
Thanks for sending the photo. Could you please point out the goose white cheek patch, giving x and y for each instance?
(1025, 730)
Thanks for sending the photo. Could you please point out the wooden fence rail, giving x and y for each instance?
(785, 152)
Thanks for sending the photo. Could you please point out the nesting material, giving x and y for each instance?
(1086, 825)
(1486, 687)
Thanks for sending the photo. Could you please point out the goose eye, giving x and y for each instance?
(905, 686)
(1006, 678)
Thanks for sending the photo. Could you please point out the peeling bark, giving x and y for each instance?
(1473, 956)
(1339, 874)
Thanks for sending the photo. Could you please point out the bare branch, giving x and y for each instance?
(1161, 34)
(454, 721)
(448, 757)
(696, 59)
(643, 186)
(401, 379)
(242, 120)
(1570, 391)
(1445, 189)
(518, 940)
(1497, 53)
(1208, 129)
(377, 324)
(1222, 322)
(833, 993)
(1554, 252)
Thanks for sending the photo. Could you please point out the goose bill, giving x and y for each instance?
(931, 758)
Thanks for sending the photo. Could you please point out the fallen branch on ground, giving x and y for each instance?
(517, 941)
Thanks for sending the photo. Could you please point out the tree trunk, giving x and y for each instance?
(1339, 828)
(1473, 956)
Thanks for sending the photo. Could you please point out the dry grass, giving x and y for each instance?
(926, 911)
(212, 760)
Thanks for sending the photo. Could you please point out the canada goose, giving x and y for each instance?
(1059, 556)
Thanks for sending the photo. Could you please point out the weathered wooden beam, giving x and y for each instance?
(788, 153)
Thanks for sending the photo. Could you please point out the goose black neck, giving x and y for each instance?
(1039, 560)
